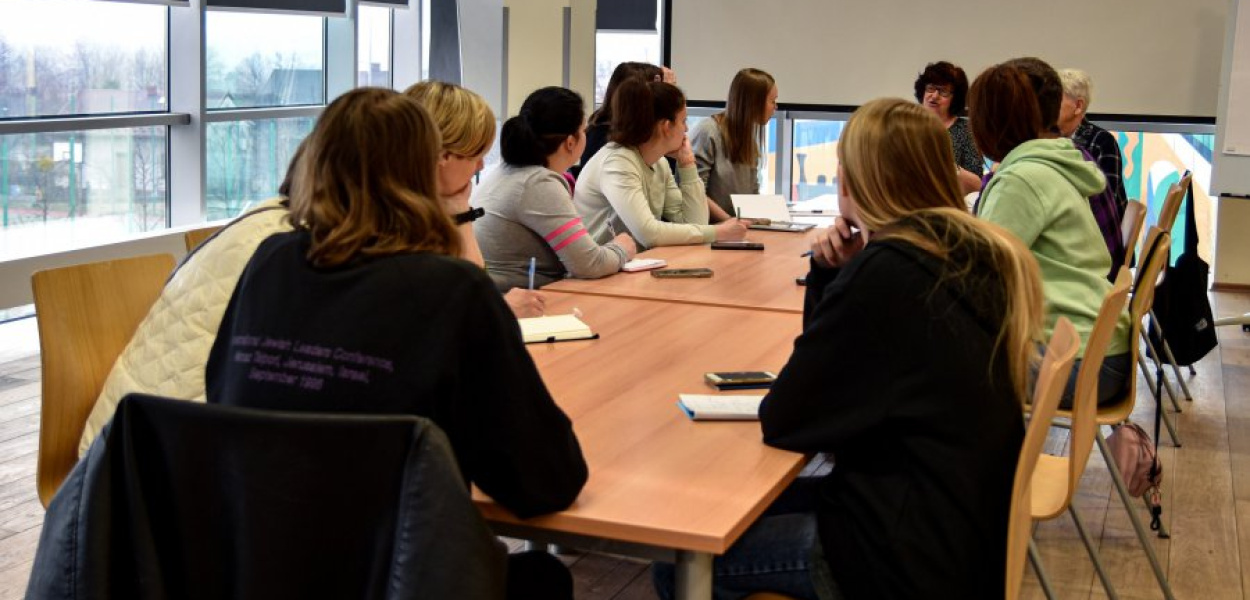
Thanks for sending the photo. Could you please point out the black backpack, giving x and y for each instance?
(1181, 304)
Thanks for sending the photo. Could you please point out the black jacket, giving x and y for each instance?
(893, 375)
(417, 334)
(181, 500)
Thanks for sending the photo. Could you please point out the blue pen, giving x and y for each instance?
(533, 263)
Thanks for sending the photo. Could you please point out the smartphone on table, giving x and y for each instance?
(682, 273)
(743, 245)
(738, 380)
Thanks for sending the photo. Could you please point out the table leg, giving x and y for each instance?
(694, 575)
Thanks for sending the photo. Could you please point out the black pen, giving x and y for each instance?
(805, 254)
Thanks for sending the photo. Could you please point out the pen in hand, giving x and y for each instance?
(533, 263)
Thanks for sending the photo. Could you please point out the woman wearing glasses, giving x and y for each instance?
(942, 88)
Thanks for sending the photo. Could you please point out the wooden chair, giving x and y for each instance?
(195, 237)
(1130, 228)
(1051, 379)
(1119, 411)
(1167, 219)
(1148, 277)
(87, 314)
(1056, 478)
(1172, 203)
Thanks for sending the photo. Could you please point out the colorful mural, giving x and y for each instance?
(1155, 161)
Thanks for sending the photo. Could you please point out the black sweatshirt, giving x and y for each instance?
(892, 374)
(419, 334)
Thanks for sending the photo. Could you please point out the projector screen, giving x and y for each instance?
(1145, 57)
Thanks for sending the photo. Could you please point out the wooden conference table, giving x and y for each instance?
(661, 486)
(762, 280)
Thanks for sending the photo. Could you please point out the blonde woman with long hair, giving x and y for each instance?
(920, 327)
(467, 125)
(366, 307)
(727, 145)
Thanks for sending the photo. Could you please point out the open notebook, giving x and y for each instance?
(703, 407)
(555, 328)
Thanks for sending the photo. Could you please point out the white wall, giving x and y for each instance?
(1151, 57)
(1232, 244)
(535, 47)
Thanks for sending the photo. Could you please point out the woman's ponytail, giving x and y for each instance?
(547, 118)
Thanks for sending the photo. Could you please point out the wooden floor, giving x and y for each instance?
(1206, 490)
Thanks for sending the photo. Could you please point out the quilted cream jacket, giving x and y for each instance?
(168, 353)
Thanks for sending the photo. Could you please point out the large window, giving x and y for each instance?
(260, 60)
(247, 161)
(373, 47)
(65, 186)
(815, 158)
(613, 47)
(73, 57)
(78, 188)
(263, 61)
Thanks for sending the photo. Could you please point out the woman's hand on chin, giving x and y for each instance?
(837, 245)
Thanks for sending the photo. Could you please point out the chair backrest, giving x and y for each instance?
(1172, 203)
(86, 314)
(1130, 227)
(1154, 259)
(1085, 395)
(195, 237)
(191, 500)
(1051, 379)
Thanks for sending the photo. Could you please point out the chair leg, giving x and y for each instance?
(1093, 553)
(1163, 376)
(1118, 479)
(1036, 560)
(1167, 351)
(1165, 415)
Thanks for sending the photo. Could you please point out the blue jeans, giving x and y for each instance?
(1112, 379)
(777, 554)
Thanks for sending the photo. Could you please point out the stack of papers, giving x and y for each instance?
(555, 328)
(701, 407)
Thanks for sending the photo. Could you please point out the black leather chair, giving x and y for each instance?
(186, 500)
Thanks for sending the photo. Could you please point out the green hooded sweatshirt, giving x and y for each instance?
(1040, 192)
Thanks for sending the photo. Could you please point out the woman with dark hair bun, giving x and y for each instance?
(943, 89)
(528, 203)
(627, 186)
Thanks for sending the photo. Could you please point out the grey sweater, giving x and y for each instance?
(617, 190)
(721, 176)
(529, 213)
